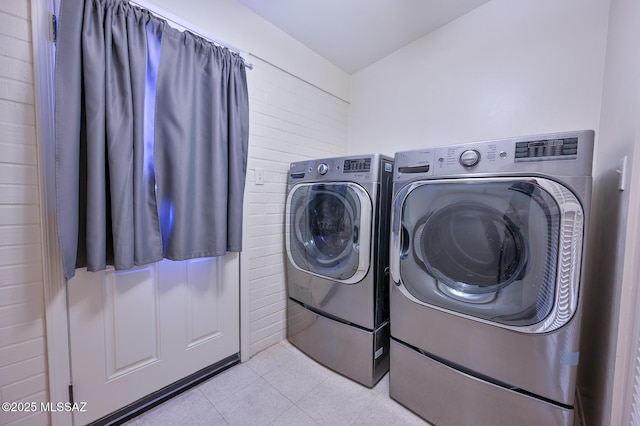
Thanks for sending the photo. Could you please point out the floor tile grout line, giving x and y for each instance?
(292, 350)
(295, 403)
(211, 402)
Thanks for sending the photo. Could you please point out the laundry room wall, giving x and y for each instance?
(23, 364)
(290, 121)
(298, 111)
(507, 68)
(610, 343)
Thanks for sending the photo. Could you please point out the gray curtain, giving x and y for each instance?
(151, 139)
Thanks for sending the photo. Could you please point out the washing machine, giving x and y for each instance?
(486, 260)
(337, 243)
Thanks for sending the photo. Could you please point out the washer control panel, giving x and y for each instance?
(360, 168)
(323, 168)
(355, 165)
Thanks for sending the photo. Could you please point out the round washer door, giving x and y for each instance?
(502, 251)
(328, 230)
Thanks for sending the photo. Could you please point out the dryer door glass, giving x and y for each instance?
(472, 248)
(483, 248)
(324, 229)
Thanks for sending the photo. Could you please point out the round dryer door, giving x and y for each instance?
(329, 230)
(497, 250)
(471, 248)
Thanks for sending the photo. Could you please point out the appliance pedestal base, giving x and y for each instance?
(445, 396)
(359, 354)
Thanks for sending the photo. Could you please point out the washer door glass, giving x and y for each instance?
(488, 249)
(324, 229)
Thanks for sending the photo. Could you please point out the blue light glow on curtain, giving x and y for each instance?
(151, 139)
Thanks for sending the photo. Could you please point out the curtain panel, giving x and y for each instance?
(151, 139)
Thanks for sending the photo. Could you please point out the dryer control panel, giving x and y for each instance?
(569, 153)
(547, 149)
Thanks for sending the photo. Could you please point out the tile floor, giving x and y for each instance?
(280, 386)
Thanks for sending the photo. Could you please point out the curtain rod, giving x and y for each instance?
(186, 26)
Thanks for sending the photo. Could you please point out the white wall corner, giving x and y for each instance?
(245, 300)
(625, 375)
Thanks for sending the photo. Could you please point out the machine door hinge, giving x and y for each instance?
(71, 393)
(54, 28)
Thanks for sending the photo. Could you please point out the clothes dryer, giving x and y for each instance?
(486, 264)
(337, 243)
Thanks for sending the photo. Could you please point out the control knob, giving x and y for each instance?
(323, 168)
(469, 158)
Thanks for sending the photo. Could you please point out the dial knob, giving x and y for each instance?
(469, 158)
(323, 168)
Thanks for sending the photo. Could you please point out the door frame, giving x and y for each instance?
(55, 290)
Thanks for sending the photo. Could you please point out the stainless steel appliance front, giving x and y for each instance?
(336, 237)
(486, 260)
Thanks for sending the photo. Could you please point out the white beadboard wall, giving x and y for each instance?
(22, 337)
(290, 120)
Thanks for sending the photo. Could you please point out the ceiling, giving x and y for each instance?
(353, 34)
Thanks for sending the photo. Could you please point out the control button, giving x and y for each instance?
(469, 158)
(503, 154)
(323, 168)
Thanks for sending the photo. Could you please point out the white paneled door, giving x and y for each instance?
(134, 332)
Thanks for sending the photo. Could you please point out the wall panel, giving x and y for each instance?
(22, 337)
